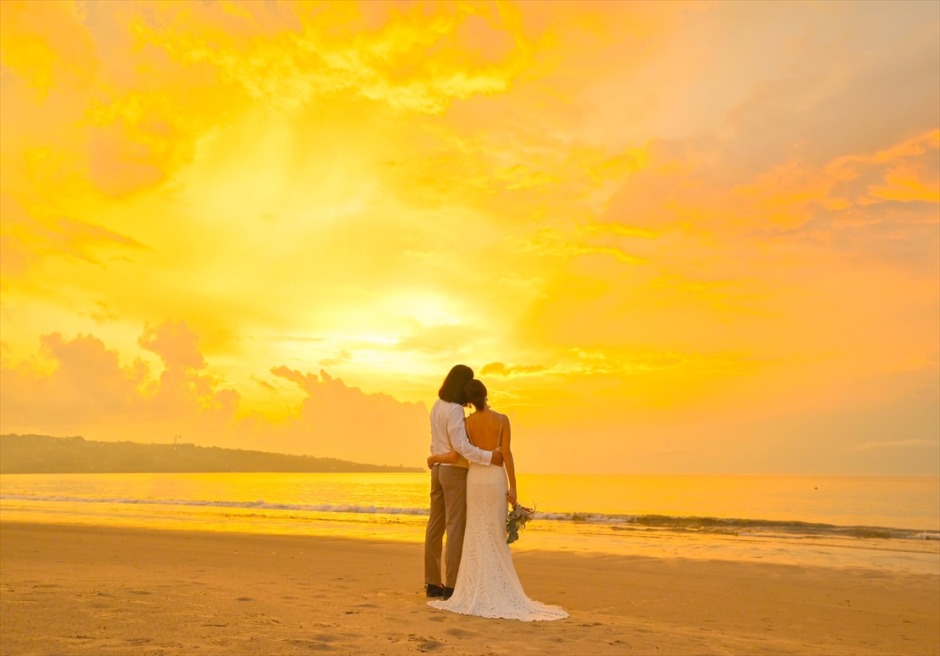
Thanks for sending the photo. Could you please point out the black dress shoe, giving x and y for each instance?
(447, 592)
(434, 591)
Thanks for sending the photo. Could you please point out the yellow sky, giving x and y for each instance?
(669, 237)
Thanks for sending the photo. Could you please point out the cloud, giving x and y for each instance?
(29, 240)
(90, 392)
(88, 385)
(265, 384)
(337, 420)
(176, 344)
(904, 172)
(47, 45)
(291, 55)
(504, 371)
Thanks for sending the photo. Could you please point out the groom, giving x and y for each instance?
(449, 482)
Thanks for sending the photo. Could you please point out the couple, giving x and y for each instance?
(469, 499)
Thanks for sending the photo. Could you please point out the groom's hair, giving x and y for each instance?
(452, 389)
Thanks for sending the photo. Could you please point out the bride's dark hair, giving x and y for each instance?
(476, 393)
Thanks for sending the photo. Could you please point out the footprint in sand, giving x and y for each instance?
(425, 644)
(311, 644)
(324, 637)
(430, 645)
(319, 642)
(461, 633)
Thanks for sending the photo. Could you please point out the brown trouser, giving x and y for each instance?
(448, 512)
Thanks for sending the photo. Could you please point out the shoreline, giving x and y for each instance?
(105, 590)
(836, 551)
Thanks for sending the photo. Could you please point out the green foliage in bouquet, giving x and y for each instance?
(516, 520)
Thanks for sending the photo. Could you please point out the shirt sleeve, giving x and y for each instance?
(457, 431)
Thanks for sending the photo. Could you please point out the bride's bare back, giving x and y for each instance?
(483, 429)
(490, 428)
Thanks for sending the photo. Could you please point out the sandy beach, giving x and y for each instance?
(92, 590)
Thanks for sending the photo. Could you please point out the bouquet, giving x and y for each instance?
(517, 520)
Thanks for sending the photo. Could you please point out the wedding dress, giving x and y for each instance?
(487, 584)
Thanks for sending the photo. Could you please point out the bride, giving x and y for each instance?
(487, 584)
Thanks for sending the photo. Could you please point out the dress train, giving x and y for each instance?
(487, 583)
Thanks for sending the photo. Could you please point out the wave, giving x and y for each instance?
(736, 526)
(615, 522)
(259, 504)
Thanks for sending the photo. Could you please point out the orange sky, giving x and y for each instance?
(669, 237)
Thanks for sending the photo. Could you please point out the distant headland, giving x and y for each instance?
(42, 454)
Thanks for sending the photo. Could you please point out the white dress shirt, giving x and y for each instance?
(449, 433)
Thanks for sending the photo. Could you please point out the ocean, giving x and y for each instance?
(869, 522)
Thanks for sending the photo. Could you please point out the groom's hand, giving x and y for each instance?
(497, 458)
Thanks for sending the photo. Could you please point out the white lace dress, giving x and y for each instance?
(487, 584)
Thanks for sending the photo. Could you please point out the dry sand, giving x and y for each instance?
(91, 590)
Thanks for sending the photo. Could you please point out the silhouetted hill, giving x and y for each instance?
(40, 454)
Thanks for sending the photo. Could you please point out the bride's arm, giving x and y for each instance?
(457, 434)
(508, 462)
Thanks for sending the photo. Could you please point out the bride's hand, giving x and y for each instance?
(511, 497)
